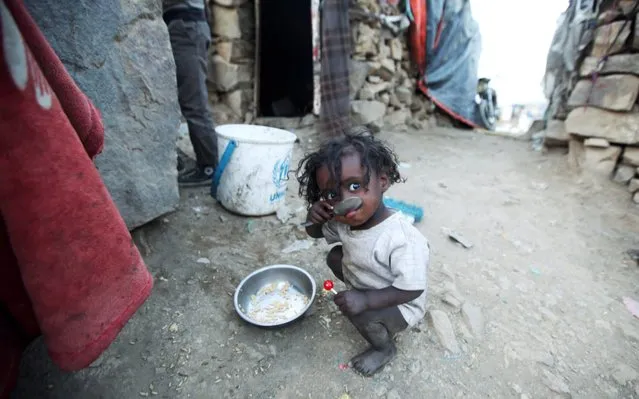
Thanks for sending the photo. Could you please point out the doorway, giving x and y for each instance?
(284, 58)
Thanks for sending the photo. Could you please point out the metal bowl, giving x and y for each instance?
(300, 282)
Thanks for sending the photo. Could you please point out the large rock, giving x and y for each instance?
(367, 40)
(601, 160)
(624, 174)
(370, 90)
(556, 134)
(444, 330)
(357, 76)
(605, 34)
(614, 92)
(226, 76)
(387, 69)
(367, 112)
(626, 6)
(595, 142)
(631, 156)
(396, 49)
(118, 52)
(226, 22)
(538, 125)
(622, 63)
(616, 127)
(236, 51)
(398, 118)
(239, 101)
(596, 160)
(473, 318)
(404, 95)
(576, 150)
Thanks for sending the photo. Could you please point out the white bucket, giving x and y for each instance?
(251, 177)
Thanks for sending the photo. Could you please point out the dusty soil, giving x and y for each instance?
(547, 271)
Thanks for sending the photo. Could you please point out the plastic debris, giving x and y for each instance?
(632, 306)
(284, 214)
(453, 235)
(298, 245)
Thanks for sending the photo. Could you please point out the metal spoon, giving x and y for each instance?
(345, 207)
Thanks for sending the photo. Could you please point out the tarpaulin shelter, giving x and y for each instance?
(446, 45)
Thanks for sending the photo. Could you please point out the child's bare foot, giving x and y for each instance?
(378, 327)
(373, 360)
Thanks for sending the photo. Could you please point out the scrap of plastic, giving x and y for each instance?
(632, 306)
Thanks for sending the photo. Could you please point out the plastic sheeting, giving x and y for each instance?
(573, 34)
(453, 47)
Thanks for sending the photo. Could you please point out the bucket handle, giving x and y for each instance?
(226, 157)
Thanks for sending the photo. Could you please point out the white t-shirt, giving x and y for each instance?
(392, 253)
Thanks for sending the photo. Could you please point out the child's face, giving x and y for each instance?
(352, 185)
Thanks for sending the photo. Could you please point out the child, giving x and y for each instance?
(382, 258)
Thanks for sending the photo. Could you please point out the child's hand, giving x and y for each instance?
(351, 302)
(320, 213)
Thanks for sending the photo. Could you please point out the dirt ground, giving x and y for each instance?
(542, 289)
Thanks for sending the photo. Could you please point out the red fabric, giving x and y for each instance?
(438, 34)
(68, 265)
(84, 117)
(417, 34)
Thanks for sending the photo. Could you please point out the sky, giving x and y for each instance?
(516, 36)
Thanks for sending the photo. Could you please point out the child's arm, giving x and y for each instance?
(409, 257)
(353, 302)
(319, 213)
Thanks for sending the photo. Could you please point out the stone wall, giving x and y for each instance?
(382, 82)
(383, 79)
(232, 59)
(601, 126)
(118, 52)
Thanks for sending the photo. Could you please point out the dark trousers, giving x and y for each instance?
(190, 41)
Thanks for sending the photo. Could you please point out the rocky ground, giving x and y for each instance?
(534, 309)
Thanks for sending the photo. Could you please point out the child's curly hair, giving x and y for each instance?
(375, 155)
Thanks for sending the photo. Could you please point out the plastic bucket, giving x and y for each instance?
(252, 173)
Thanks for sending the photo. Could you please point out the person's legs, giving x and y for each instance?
(190, 41)
(379, 328)
(334, 261)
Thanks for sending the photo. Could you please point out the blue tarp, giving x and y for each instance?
(451, 66)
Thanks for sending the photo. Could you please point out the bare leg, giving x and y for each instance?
(334, 261)
(378, 327)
